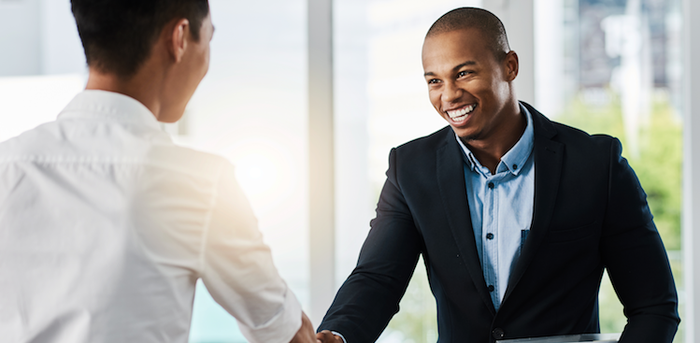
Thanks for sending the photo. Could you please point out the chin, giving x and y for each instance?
(466, 135)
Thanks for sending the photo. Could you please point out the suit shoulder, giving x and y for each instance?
(574, 137)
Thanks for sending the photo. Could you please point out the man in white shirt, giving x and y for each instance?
(106, 225)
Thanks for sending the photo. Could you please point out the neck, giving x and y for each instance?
(490, 150)
(144, 86)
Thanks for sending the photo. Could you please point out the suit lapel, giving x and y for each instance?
(548, 156)
(452, 187)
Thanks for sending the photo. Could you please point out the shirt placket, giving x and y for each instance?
(489, 239)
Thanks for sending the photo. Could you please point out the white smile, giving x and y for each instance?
(461, 113)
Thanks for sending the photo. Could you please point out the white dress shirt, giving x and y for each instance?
(106, 225)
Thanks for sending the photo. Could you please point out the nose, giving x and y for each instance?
(451, 92)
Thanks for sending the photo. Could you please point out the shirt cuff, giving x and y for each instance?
(339, 335)
(281, 328)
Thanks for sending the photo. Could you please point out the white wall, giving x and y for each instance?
(550, 83)
(61, 50)
(39, 37)
(20, 38)
(518, 18)
(691, 168)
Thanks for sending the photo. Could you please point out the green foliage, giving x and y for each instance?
(417, 318)
(659, 170)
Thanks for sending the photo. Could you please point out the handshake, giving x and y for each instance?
(326, 336)
(306, 334)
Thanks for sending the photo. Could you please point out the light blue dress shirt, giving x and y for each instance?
(501, 208)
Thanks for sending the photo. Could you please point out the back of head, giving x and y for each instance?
(465, 18)
(118, 35)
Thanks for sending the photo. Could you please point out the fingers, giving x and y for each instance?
(326, 336)
(308, 328)
(306, 332)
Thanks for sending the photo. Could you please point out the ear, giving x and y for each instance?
(179, 37)
(511, 65)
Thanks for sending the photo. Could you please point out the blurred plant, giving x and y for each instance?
(417, 317)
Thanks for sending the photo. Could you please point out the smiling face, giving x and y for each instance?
(468, 85)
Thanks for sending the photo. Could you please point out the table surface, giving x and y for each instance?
(600, 338)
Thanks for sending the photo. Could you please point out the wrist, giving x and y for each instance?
(342, 338)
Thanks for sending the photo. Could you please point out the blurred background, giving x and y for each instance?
(605, 66)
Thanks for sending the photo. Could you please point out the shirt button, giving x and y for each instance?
(491, 288)
(498, 333)
(515, 166)
(489, 236)
(491, 185)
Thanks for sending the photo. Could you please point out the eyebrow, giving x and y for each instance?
(459, 66)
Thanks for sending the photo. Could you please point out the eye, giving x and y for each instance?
(433, 81)
(464, 73)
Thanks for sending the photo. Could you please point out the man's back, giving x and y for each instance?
(105, 226)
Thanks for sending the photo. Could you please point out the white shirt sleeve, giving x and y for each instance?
(238, 271)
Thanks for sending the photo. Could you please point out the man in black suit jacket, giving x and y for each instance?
(589, 212)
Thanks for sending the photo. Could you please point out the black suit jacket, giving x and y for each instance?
(590, 213)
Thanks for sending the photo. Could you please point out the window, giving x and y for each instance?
(610, 66)
(604, 66)
(614, 67)
(251, 109)
(381, 101)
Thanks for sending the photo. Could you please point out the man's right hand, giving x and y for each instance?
(326, 336)
(306, 331)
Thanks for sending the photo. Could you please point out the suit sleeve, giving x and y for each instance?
(370, 296)
(636, 259)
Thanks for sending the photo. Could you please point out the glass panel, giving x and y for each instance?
(614, 67)
(28, 101)
(251, 109)
(381, 101)
(42, 65)
(603, 66)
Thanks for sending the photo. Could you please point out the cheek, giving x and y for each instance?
(480, 88)
(435, 97)
(204, 61)
(498, 89)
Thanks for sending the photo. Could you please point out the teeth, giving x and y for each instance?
(459, 113)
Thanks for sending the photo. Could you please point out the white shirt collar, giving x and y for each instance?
(98, 104)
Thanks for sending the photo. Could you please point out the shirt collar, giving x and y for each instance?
(98, 104)
(515, 158)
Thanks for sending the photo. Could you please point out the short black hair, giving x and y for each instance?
(118, 35)
(474, 18)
